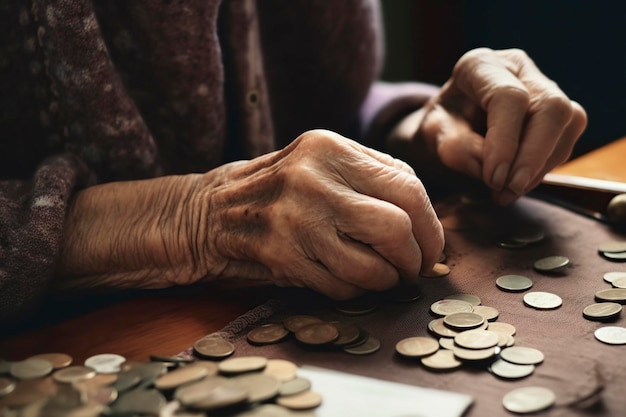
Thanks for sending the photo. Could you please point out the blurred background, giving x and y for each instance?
(580, 44)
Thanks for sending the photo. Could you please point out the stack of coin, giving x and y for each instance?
(107, 384)
(613, 250)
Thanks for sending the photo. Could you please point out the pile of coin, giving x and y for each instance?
(614, 250)
(108, 385)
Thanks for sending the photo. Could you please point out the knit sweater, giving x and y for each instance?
(99, 91)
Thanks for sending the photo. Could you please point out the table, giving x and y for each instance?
(168, 321)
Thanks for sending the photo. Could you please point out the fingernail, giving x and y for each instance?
(499, 176)
(474, 168)
(506, 197)
(519, 181)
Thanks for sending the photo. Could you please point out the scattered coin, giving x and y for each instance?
(441, 360)
(446, 342)
(31, 368)
(474, 354)
(439, 270)
(281, 369)
(213, 348)
(521, 355)
(446, 307)
(528, 234)
(551, 263)
(542, 300)
(317, 334)
(502, 327)
(294, 323)
(303, 401)
(105, 363)
(260, 387)
(463, 321)
(180, 376)
(528, 400)
(610, 276)
(438, 327)
(507, 242)
(612, 335)
(267, 334)
(612, 246)
(488, 313)
(58, 360)
(242, 364)
(357, 306)
(476, 339)
(417, 347)
(602, 311)
(619, 282)
(371, 345)
(73, 374)
(474, 300)
(295, 386)
(192, 393)
(514, 283)
(348, 333)
(508, 370)
(615, 256)
(617, 295)
(147, 402)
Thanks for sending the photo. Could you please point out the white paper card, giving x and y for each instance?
(346, 395)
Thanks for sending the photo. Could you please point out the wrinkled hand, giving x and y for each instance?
(325, 213)
(501, 120)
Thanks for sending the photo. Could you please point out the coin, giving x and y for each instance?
(416, 347)
(260, 387)
(127, 380)
(617, 295)
(474, 354)
(439, 270)
(445, 307)
(294, 323)
(440, 329)
(551, 263)
(514, 283)
(488, 313)
(221, 396)
(610, 276)
(602, 311)
(476, 339)
(295, 386)
(521, 355)
(31, 368)
(441, 360)
(6, 386)
(348, 333)
(139, 401)
(474, 300)
(357, 306)
(619, 282)
(615, 256)
(180, 376)
(58, 360)
(507, 242)
(612, 246)
(612, 335)
(502, 327)
(463, 321)
(509, 370)
(210, 367)
(73, 374)
(281, 369)
(542, 300)
(213, 348)
(404, 293)
(371, 345)
(29, 391)
(528, 400)
(303, 401)
(317, 334)
(242, 364)
(192, 393)
(528, 234)
(105, 363)
(446, 342)
(267, 334)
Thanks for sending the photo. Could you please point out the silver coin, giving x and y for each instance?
(476, 339)
(619, 282)
(488, 313)
(509, 370)
(528, 400)
(105, 363)
(463, 321)
(617, 295)
(295, 386)
(612, 335)
(446, 343)
(438, 327)
(371, 345)
(551, 263)
(514, 283)
(528, 234)
(542, 300)
(521, 355)
(616, 256)
(470, 298)
(610, 276)
(445, 307)
(602, 311)
(612, 246)
(31, 368)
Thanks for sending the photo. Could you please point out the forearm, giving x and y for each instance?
(129, 234)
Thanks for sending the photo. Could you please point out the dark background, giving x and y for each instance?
(579, 44)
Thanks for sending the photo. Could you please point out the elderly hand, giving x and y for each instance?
(499, 119)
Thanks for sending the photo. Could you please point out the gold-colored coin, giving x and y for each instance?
(242, 364)
(281, 369)
(441, 360)
(506, 328)
(357, 306)
(210, 367)
(260, 387)
(294, 323)
(527, 400)
(463, 321)
(213, 348)
(602, 311)
(521, 355)
(73, 374)
(474, 354)
(619, 282)
(317, 334)
(445, 307)
(446, 343)
(488, 313)
(469, 298)
(476, 339)
(303, 401)
(180, 376)
(267, 334)
(29, 391)
(370, 346)
(438, 327)
(31, 368)
(348, 333)
(58, 360)
(617, 295)
(197, 391)
(417, 347)
(439, 270)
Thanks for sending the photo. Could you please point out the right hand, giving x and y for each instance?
(325, 213)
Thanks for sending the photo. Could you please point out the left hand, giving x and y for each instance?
(500, 119)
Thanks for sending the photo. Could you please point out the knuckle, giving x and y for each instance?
(512, 94)
(559, 107)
